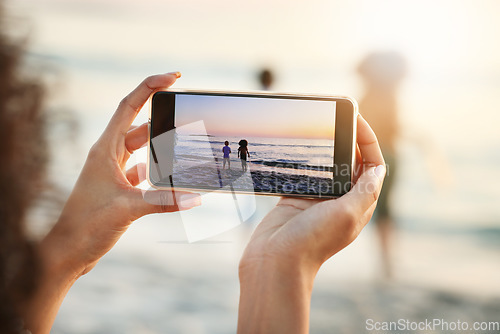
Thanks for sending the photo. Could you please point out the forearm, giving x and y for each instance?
(40, 311)
(274, 298)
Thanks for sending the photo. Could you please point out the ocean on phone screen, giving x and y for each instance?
(273, 163)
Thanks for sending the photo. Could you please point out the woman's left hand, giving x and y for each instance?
(105, 201)
(102, 205)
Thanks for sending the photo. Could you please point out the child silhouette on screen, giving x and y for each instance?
(226, 150)
(242, 154)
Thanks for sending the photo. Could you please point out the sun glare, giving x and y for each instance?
(431, 34)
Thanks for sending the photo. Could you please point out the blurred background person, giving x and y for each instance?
(382, 73)
(266, 79)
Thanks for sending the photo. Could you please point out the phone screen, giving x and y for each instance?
(258, 144)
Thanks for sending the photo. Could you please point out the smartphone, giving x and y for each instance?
(254, 142)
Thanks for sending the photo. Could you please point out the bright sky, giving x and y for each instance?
(258, 117)
(314, 46)
(427, 31)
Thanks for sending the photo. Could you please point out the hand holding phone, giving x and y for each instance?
(105, 199)
(279, 265)
(103, 204)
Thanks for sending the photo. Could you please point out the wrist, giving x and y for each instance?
(300, 261)
(274, 296)
(57, 277)
(294, 267)
(57, 258)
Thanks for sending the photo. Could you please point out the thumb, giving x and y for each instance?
(366, 190)
(348, 210)
(339, 221)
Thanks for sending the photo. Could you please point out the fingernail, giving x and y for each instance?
(177, 74)
(187, 201)
(380, 171)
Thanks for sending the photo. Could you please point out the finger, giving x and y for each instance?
(358, 167)
(297, 203)
(133, 102)
(367, 187)
(368, 214)
(136, 138)
(170, 200)
(132, 127)
(350, 208)
(136, 174)
(365, 192)
(368, 144)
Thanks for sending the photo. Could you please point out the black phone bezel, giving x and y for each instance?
(345, 129)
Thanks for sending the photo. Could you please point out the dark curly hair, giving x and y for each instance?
(23, 154)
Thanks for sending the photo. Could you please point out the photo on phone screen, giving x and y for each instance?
(258, 144)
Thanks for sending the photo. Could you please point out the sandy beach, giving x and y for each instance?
(155, 282)
(258, 178)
